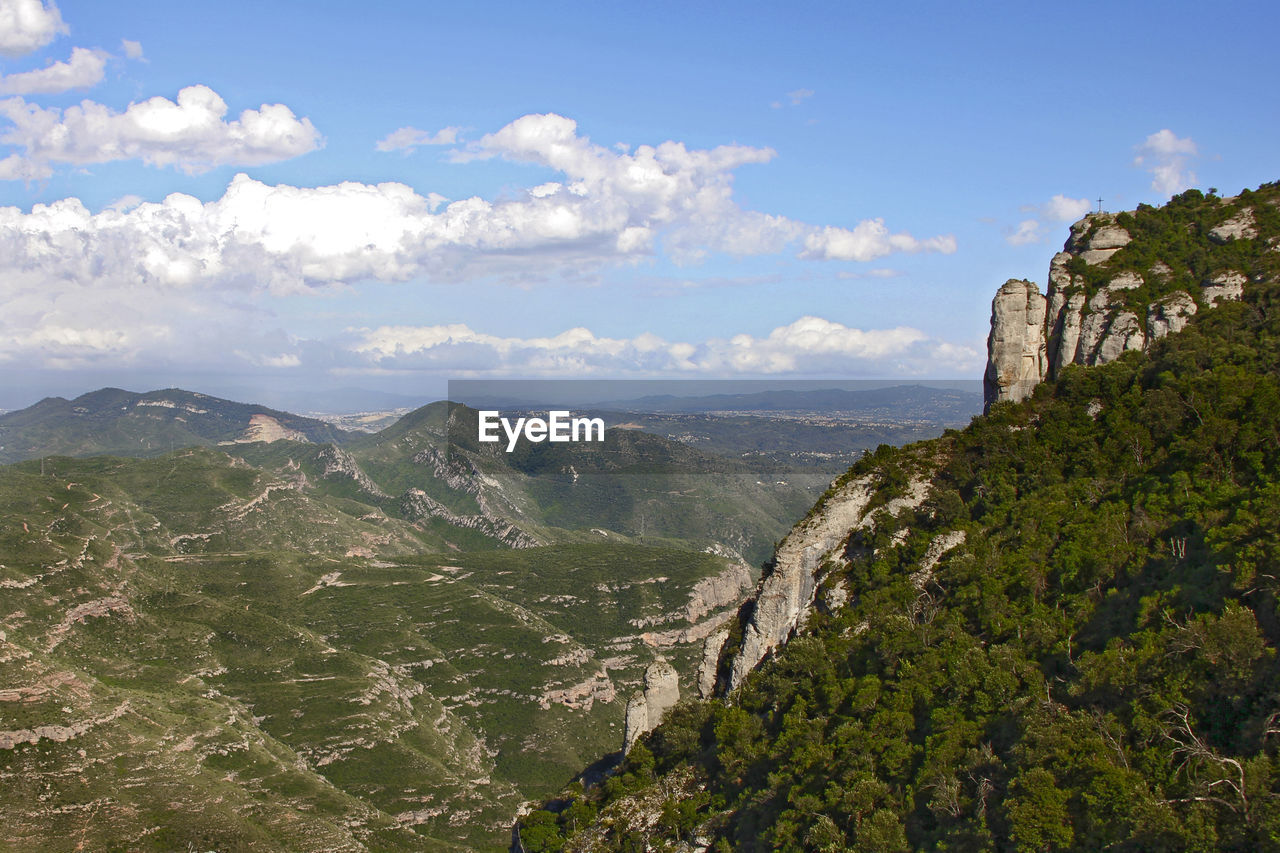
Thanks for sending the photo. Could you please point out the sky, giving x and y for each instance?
(293, 199)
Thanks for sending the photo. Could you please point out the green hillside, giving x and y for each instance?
(1090, 665)
(199, 652)
(130, 424)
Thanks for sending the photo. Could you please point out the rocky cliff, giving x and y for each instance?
(1018, 358)
(785, 595)
(1109, 294)
(645, 709)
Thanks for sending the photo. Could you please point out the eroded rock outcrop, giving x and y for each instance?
(1169, 314)
(785, 595)
(1088, 326)
(1225, 286)
(646, 707)
(1016, 352)
(339, 465)
(417, 505)
(707, 668)
(712, 593)
(1239, 227)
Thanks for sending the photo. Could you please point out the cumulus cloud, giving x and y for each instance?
(1060, 208)
(868, 241)
(132, 49)
(83, 70)
(26, 25)
(189, 133)
(610, 207)
(409, 139)
(810, 345)
(1028, 231)
(1167, 157)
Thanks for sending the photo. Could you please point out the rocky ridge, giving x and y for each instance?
(785, 595)
(1105, 297)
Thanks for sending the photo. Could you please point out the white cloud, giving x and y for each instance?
(83, 70)
(608, 208)
(810, 345)
(411, 138)
(189, 134)
(132, 49)
(16, 168)
(1060, 208)
(1167, 157)
(26, 25)
(868, 241)
(880, 272)
(1028, 231)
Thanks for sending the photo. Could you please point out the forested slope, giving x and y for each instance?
(1092, 666)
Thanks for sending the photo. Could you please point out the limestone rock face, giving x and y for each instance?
(1107, 238)
(1017, 357)
(1239, 227)
(1106, 241)
(1124, 333)
(711, 649)
(1169, 314)
(1224, 286)
(1127, 280)
(785, 595)
(645, 708)
(1088, 329)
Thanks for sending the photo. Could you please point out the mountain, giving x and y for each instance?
(1054, 629)
(130, 424)
(386, 645)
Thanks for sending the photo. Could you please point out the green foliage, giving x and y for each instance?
(1093, 668)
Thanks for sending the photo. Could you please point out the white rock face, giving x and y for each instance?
(1108, 239)
(1169, 314)
(784, 596)
(711, 649)
(1089, 330)
(1239, 227)
(712, 593)
(1124, 333)
(1127, 280)
(645, 708)
(1223, 286)
(1017, 356)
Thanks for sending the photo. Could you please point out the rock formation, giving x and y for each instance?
(417, 505)
(1077, 326)
(1239, 227)
(711, 649)
(1226, 285)
(1016, 352)
(646, 707)
(1169, 314)
(784, 596)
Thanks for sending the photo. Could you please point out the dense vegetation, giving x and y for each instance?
(1093, 668)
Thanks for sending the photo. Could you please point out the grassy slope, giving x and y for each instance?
(237, 676)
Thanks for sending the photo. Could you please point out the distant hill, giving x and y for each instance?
(126, 423)
(951, 405)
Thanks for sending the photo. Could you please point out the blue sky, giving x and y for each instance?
(250, 198)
